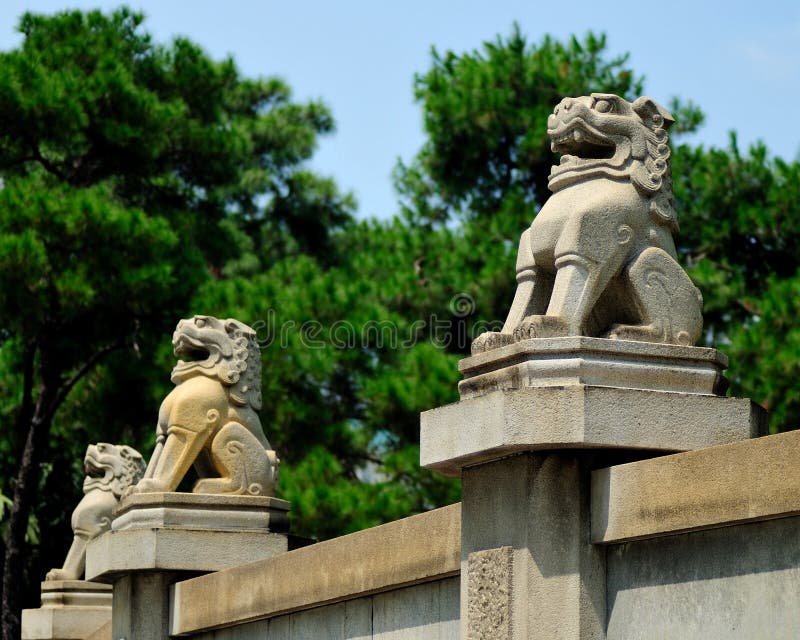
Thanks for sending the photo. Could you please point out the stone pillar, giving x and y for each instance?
(536, 506)
(535, 417)
(71, 609)
(157, 539)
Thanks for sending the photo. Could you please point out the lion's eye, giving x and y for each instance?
(604, 106)
(200, 322)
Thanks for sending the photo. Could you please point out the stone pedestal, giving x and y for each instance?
(71, 609)
(528, 569)
(534, 419)
(578, 360)
(157, 539)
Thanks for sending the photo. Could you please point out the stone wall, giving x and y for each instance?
(427, 611)
(395, 581)
(735, 583)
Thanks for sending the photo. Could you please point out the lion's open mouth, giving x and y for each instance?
(185, 348)
(579, 144)
(94, 469)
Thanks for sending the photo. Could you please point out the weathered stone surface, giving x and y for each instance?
(209, 420)
(599, 258)
(421, 548)
(71, 609)
(578, 360)
(202, 511)
(117, 553)
(579, 417)
(427, 611)
(77, 593)
(736, 583)
(110, 470)
(63, 623)
(720, 486)
(538, 505)
(141, 605)
(490, 594)
(103, 633)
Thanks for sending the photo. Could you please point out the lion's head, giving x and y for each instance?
(222, 349)
(111, 467)
(605, 135)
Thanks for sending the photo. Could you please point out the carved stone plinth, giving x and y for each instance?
(157, 539)
(586, 393)
(202, 511)
(577, 360)
(71, 609)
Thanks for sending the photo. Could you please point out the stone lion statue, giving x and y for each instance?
(599, 258)
(110, 470)
(209, 420)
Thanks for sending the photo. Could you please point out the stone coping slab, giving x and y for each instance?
(503, 423)
(576, 360)
(716, 487)
(201, 511)
(418, 549)
(177, 549)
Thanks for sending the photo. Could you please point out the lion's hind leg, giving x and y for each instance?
(242, 463)
(668, 304)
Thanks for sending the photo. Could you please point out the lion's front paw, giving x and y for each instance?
(147, 485)
(646, 333)
(57, 574)
(489, 341)
(542, 327)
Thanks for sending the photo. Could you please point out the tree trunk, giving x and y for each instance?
(24, 495)
(36, 419)
(53, 390)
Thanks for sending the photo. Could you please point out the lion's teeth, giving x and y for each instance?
(578, 135)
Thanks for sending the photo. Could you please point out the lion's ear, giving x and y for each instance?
(652, 113)
(231, 326)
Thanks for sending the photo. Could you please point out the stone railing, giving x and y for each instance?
(406, 561)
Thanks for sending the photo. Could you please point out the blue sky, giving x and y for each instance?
(740, 61)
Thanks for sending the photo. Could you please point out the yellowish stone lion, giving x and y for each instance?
(209, 420)
(110, 470)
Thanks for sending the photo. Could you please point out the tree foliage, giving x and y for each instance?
(132, 172)
(485, 111)
(740, 217)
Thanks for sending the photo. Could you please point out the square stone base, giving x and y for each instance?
(187, 532)
(502, 423)
(201, 511)
(577, 360)
(71, 609)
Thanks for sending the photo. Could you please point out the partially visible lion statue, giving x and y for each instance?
(110, 470)
(599, 258)
(209, 420)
